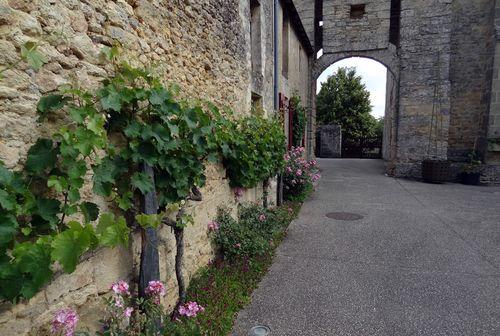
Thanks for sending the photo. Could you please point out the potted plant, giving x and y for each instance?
(471, 170)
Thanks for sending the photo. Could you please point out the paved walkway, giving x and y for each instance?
(424, 260)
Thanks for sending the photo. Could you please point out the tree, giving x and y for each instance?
(343, 100)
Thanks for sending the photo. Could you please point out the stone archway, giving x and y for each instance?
(388, 58)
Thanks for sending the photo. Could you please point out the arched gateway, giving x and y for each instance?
(430, 55)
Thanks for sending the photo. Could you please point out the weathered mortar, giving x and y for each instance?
(202, 46)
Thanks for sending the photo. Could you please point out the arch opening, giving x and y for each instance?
(345, 127)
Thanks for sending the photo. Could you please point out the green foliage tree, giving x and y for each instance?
(343, 100)
(299, 120)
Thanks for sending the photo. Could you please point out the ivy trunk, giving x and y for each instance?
(265, 193)
(179, 242)
(150, 263)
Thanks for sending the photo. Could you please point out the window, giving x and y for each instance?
(394, 30)
(255, 37)
(284, 46)
(256, 103)
(357, 11)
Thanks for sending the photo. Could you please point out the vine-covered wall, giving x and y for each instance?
(202, 47)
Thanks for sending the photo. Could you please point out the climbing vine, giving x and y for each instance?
(254, 150)
(132, 121)
(299, 120)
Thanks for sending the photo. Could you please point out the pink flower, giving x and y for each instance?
(288, 169)
(128, 311)
(213, 226)
(118, 301)
(262, 217)
(286, 157)
(156, 289)
(238, 192)
(64, 322)
(190, 309)
(298, 172)
(237, 245)
(120, 287)
(290, 210)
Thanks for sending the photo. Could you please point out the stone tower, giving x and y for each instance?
(440, 57)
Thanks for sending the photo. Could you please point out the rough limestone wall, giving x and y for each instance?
(425, 32)
(493, 155)
(473, 46)
(201, 45)
(341, 33)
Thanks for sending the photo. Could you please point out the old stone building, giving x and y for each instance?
(440, 56)
(228, 52)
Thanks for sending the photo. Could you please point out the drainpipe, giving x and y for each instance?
(275, 50)
(279, 196)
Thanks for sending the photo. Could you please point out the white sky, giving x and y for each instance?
(373, 75)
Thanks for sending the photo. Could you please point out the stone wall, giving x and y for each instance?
(341, 32)
(493, 155)
(424, 66)
(473, 46)
(201, 45)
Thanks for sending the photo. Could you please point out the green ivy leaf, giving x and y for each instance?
(159, 96)
(112, 232)
(48, 209)
(112, 101)
(142, 182)
(31, 264)
(68, 246)
(30, 54)
(7, 200)
(152, 221)
(106, 173)
(90, 211)
(74, 195)
(8, 228)
(125, 201)
(5, 174)
(77, 169)
(50, 103)
(41, 156)
(59, 183)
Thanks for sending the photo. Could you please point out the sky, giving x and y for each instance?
(373, 75)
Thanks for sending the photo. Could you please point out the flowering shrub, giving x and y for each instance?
(128, 315)
(213, 226)
(251, 234)
(64, 322)
(299, 175)
(190, 309)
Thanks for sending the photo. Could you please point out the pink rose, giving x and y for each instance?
(190, 309)
(238, 192)
(156, 289)
(262, 217)
(64, 322)
(128, 311)
(213, 226)
(120, 287)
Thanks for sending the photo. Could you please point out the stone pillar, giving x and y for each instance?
(494, 115)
